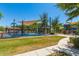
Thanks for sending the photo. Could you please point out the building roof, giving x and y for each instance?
(28, 22)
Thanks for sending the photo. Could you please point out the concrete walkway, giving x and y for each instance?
(39, 52)
(65, 47)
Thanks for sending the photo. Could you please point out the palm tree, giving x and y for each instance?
(70, 9)
(77, 26)
(34, 27)
(44, 23)
(1, 15)
(55, 24)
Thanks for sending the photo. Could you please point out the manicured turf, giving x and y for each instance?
(20, 45)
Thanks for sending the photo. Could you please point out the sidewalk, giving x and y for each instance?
(39, 52)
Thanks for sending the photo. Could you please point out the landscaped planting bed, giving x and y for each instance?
(58, 54)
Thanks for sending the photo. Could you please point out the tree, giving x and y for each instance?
(2, 28)
(70, 9)
(35, 27)
(77, 26)
(1, 15)
(55, 24)
(44, 23)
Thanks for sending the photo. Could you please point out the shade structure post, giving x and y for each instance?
(22, 28)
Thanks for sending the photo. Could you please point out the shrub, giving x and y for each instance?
(52, 33)
(75, 41)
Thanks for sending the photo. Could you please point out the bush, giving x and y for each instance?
(75, 41)
(52, 33)
(2, 28)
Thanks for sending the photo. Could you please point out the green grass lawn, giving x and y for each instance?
(20, 45)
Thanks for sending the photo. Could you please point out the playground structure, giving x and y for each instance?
(13, 30)
(70, 28)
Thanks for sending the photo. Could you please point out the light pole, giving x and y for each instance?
(50, 24)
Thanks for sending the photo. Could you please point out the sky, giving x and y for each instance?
(28, 12)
